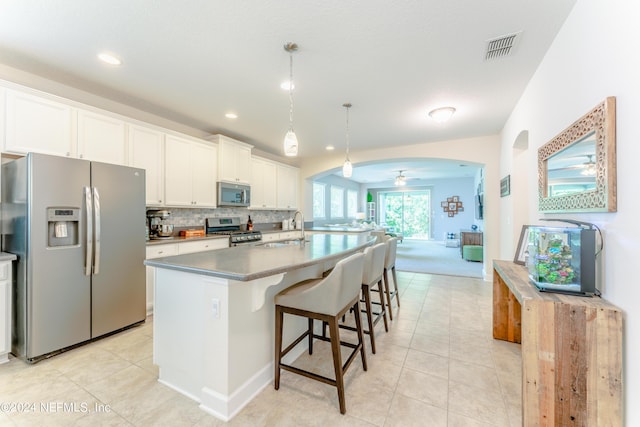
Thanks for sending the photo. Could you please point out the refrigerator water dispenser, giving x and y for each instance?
(63, 225)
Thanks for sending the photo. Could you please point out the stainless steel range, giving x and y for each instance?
(232, 228)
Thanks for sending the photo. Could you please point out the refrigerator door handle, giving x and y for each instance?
(96, 227)
(89, 246)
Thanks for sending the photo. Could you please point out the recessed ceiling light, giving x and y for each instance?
(329, 147)
(231, 116)
(109, 59)
(285, 85)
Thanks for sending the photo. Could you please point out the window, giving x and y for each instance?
(337, 202)
(352, 203)
(318, 200)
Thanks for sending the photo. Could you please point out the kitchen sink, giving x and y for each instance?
(282, 244)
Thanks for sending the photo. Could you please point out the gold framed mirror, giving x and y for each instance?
(577, 168)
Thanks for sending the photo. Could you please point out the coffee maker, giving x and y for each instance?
(158, 228)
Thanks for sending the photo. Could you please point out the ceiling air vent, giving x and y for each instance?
(501, 46)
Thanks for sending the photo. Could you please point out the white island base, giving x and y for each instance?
(214, 337)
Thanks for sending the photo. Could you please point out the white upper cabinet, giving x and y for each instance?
(146, 151)
(234, 159)
(101, 138)
(287, 185)
(190, 173)
(263, 184)
(37, 124)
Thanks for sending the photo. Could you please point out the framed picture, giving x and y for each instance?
(505, 186)
(449, 199)
(453, 206)
(444, 204)
(460, 209)
(523, 243)
(451, 213)
(459, 205)
(455, 199)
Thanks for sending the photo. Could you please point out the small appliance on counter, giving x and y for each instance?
(158, 228)
(231, 227)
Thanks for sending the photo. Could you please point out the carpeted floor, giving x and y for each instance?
(431, 256)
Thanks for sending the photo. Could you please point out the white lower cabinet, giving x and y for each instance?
(5, 310)
(170, 249)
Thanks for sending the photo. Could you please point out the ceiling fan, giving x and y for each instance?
(588, 167)
(400, 179)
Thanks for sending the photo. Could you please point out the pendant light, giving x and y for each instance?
(290, 139)
(347, 168)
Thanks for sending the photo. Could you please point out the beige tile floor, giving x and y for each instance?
(437, 366)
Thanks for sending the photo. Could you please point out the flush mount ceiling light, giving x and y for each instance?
(443, 114)
(329, 148)
(109, 59)
(400, 179)
(347, 167)
(231, 116)
(290, 139)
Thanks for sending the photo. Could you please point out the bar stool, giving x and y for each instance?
(372, 277)
(390, 264)
(325, 299)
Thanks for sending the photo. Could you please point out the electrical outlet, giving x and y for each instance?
(215, 308)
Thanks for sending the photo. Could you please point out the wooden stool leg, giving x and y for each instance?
(278, 349)
(367, 305)
(310, 331)
(334, 335)
(395, 284)
(360, 336)
(386, 290)
(384, 311)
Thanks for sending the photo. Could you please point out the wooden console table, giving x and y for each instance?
(571, 351)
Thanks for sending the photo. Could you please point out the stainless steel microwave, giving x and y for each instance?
(233, 194)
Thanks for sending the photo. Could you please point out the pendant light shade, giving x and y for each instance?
(347, 167)
(400, 179)
(290, 139)
(291, 144)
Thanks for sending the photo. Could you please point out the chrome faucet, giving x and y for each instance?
(302, 227)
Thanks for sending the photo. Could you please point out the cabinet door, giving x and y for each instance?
(203, 245)
(146, 151)
(101, 138)
(263, 184)
(37, 124)
(178, 187)
(203, 166)
(234, 160)
(287, 184)
(5, 319)
(243, 164)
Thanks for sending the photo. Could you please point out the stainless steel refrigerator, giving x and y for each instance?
(78, 229)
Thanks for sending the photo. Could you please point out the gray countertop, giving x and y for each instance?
(6, 256)
(244, 263)
(338, 229)
(181, 239)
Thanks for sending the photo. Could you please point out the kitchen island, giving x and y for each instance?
(214, 315)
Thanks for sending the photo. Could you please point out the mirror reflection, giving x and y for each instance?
(573, 169)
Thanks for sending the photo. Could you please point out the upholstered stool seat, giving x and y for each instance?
(325, 299)
(472, 252)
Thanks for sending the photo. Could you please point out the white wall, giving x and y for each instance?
(595, 55)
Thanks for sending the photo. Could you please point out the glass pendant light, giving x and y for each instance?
(290, 139)
(400, 179)
(347, 168)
